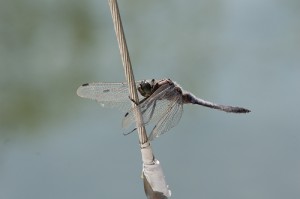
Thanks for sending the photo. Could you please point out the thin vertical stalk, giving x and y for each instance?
(127, 65)
(154, 180)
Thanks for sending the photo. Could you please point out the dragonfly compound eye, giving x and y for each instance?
(146, 88)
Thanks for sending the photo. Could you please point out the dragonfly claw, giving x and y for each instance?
(133, 101)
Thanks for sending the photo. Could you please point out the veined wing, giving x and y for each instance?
(107, 94)
(169, 119)
(154, 107)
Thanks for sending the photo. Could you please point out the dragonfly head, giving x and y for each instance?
(146, 87)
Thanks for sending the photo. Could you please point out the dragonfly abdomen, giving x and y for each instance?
(189, 98)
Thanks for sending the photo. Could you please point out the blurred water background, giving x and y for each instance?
(54, 144)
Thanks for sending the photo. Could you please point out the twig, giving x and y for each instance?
(127, 65)
(154, 180)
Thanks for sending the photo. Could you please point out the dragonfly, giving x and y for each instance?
(161, 102)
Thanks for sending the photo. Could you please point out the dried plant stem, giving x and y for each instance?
(154, 180)
(127, 66)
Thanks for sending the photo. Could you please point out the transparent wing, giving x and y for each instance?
(147, 108)
(108, 94)
(155, 107)
(169, 119)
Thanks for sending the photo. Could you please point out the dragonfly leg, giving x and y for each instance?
(136, 102)
(129, 132)
(133, 101)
